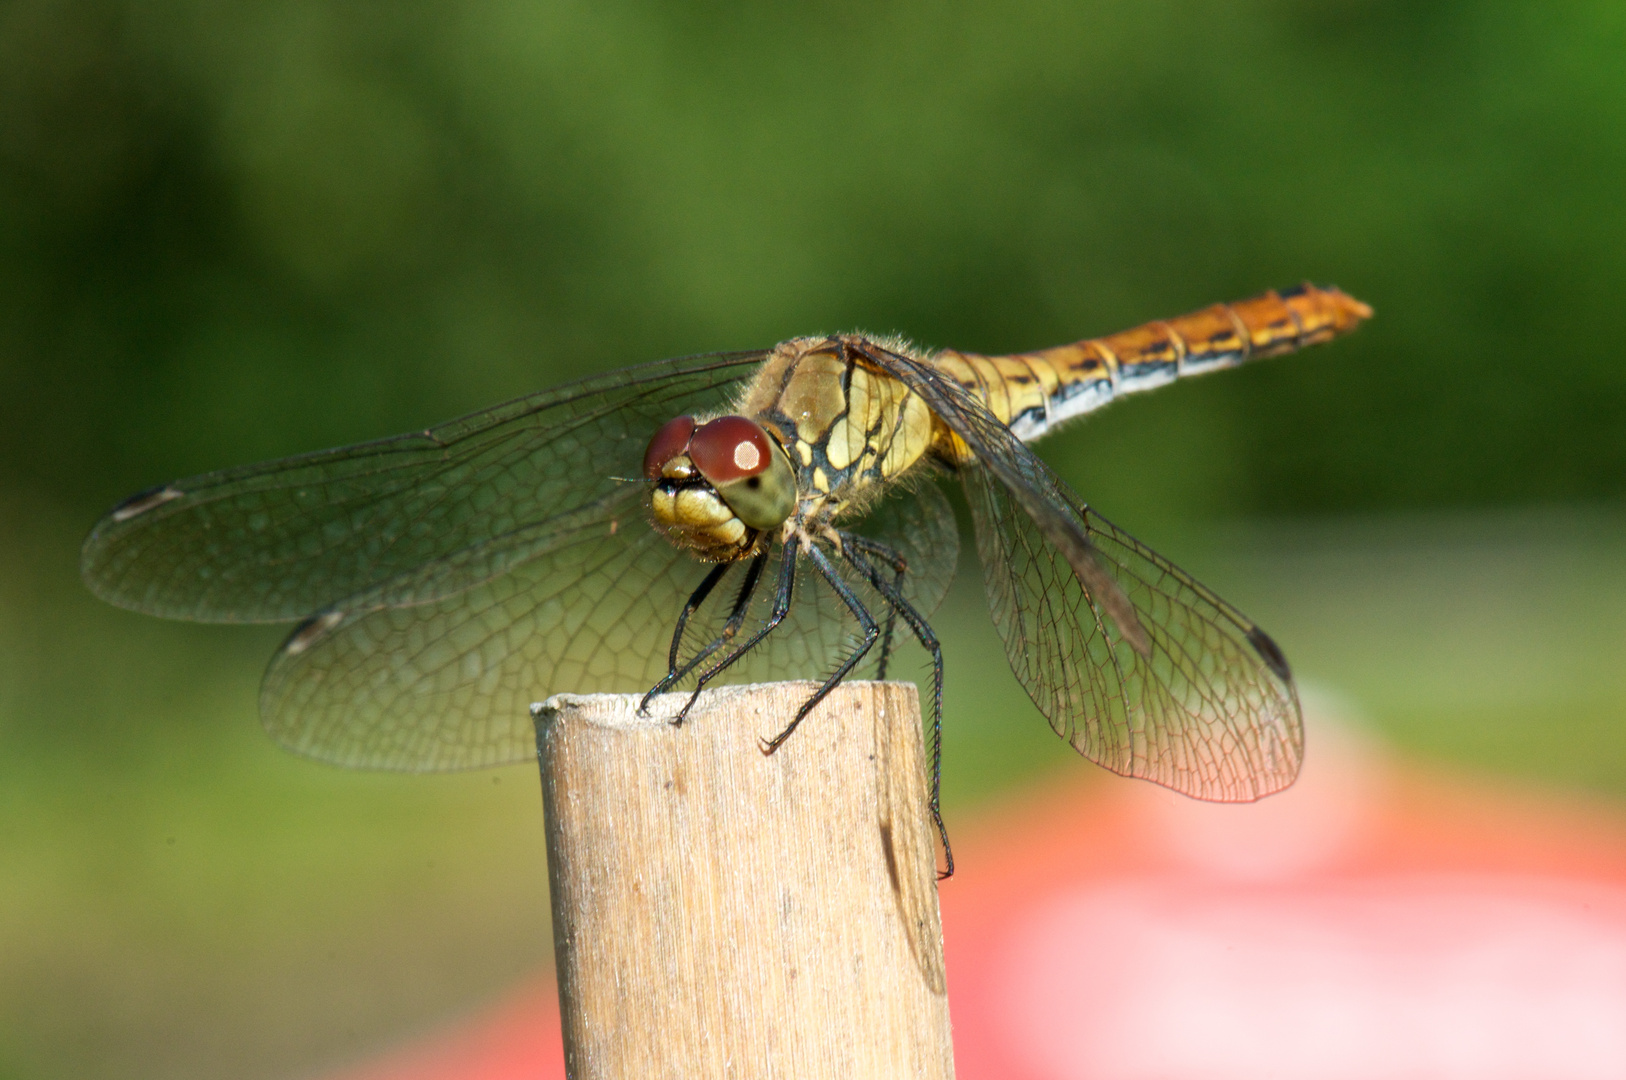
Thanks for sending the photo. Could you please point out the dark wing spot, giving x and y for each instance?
(311, 631)
(143, 501)
(1270, 653)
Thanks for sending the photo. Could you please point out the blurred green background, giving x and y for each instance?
(229, 232)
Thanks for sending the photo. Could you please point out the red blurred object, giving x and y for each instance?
(1374, 921)
(517, 1039)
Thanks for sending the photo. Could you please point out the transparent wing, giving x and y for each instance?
(410, 676)
(279, 540)
(1143, 670)
(1202, 711)
(386, 682)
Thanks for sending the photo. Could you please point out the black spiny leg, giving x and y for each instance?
(742, 604)
(692, 605)
(856, 548)
(781, 607)
(871, 633)
(899, 564)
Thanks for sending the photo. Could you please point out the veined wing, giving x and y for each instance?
(388, 680)
(1208, 709)
(280, 540)
(409, 675)
(1143, 670)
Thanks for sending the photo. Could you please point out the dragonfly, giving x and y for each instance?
(738, 516)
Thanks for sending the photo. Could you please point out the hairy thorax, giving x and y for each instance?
(848, 427)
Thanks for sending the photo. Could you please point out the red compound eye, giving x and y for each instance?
(730, 448)
(670, 441)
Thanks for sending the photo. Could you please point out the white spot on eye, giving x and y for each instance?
(747, 456)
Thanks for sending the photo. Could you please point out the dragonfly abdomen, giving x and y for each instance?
(1035, 391)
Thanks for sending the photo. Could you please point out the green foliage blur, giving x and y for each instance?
(231, 232)
(238, 231)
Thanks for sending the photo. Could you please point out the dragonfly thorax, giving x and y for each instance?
(718, 486)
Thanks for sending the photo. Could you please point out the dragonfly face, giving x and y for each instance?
(444, 580)
(718, 486)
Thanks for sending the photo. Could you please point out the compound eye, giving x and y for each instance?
(730, 448)
(670, 441)
(749, 471)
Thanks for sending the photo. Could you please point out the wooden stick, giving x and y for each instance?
(722, 912)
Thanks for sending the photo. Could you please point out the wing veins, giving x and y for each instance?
(1194, 707)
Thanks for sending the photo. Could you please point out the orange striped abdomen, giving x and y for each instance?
(1033, 392)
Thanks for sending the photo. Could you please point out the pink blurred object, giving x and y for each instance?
(1372, 922)
(516, 1039)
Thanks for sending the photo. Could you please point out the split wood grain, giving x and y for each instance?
(720, 912)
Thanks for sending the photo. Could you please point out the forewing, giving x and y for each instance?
(385, 682)
(1180, 688)
(414, 675)
(279, 540)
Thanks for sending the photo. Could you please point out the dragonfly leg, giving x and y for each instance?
(783, 591)
(736, 617)
(900, 566)
(872, 631)
(857, 548)
(692, 605)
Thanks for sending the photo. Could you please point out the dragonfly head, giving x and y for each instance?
(718, 485)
